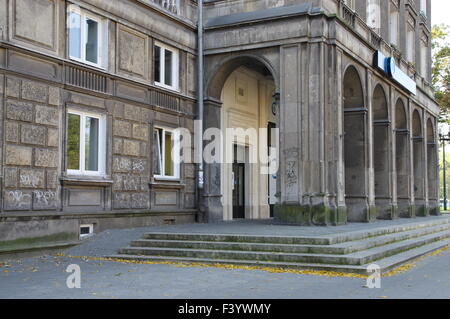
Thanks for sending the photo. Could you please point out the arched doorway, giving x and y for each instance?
(402, 160)
(381, 154)
(240, 95)
(418, 160)
(432, 169)
(247, 107)
(355, 148)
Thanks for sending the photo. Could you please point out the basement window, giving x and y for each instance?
(86, 231)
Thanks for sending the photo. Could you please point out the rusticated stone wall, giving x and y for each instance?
(131, 151)
(32, 122)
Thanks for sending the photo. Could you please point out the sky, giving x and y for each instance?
(440, 11)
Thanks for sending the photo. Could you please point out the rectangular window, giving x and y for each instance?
(423, 7)
(86, 143)
(424, 56)
(166, 67)
(394, 24)
(410, 39)
(87, 37)
(165, 154)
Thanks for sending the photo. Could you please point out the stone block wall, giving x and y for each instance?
(131, 156)
(32, 121)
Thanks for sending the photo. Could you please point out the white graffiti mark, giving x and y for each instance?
(19, 199)
(291, 176)
(44, 198)
(138, 166)
(29, 180)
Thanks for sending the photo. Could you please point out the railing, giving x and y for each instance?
(169, 5)
(86, 79)
(375, 39)
(347, 14)
(164, 100)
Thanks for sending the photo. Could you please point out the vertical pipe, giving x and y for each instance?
(445, 180)
(199, 132)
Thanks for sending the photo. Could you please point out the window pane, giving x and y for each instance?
(91, 144)
(75, 35)
(73, 142)
(168, 67)
(157, 152)
(168, 162)
(91, 41)
(157, 64)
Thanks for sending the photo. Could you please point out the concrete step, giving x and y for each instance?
(356, 258)
(298, 240)
(339, 249)
(386, 264)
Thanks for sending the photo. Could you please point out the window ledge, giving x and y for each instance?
(174, 184)
(86, 181)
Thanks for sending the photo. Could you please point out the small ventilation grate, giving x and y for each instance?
(86, 79)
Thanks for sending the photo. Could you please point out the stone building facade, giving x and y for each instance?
(91, 92)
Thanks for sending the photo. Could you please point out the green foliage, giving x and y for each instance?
(441, 67)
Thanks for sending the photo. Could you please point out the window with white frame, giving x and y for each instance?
(87, 37)
(166, 66)
(86, 143)
(166, 150)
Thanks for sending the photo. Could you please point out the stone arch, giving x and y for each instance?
(227, 65)
(402, 159)
(380, 104)
(381, 153)
(353, 89)
(401, 120)
(355, 147)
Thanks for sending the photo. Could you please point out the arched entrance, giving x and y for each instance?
(432, 169)
(381, 154)
(247, 98)
(355, 148)
(240, 95)
(418, 160)
(402, 160)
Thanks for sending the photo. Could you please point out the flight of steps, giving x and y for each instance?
(351, 252)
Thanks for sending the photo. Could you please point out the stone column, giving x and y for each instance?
(370, 149)
(305, 138)
(433, 174)
(2, 125)
(420, 173)
(211, 207)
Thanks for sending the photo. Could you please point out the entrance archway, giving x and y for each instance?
(402, 160)
(355, 148)
(381, 154)
(240, 95)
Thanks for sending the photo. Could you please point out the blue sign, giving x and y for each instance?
(388, 66)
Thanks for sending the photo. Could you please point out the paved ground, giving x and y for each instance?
(45, 277)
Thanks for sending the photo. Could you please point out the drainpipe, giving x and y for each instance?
(199, 132)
